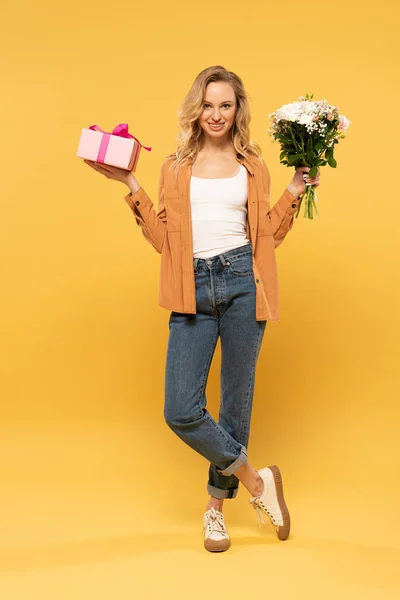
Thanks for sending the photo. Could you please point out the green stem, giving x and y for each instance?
(305, 204)
(293, 138)
(315, 204)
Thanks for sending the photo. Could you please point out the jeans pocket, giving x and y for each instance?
(241, 266)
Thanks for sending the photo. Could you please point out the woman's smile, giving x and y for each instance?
(217, 126)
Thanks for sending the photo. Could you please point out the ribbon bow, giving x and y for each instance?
(121, 130)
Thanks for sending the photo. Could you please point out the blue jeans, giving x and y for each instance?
(225, 305)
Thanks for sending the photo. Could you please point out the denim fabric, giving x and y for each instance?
(226, 307)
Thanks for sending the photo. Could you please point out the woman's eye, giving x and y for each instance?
(222, 105)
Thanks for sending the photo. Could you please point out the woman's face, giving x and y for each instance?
(219, 108)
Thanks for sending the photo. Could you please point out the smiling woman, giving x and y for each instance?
(217, 235)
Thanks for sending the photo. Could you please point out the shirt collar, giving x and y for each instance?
(240, 158)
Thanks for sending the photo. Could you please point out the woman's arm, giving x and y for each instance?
(152, 222)
(288, 204)
(282, 213)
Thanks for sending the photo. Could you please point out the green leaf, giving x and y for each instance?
(292, 158)
(312, 172)
(332, 162)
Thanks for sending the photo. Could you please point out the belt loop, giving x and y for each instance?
(222, 259)
(196, 260)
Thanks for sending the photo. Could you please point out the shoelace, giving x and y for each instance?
(260, 508)
(215, 521)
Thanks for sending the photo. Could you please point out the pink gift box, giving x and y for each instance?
(118, 148)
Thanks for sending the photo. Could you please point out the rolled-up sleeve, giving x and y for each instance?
(282, 216)
(152, 222)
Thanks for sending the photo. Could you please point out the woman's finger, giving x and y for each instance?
(101, 167)
(305, 170)
(89, 163)
(92, 164)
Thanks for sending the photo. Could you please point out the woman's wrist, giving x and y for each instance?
(293, 190)
(132, 184)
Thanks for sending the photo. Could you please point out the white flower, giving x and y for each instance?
(343, 123)
(305, 119)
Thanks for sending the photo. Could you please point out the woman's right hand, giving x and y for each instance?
(116, 173)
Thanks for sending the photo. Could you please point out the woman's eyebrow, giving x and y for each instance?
(224, 102)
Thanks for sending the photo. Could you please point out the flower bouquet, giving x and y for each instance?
(307, 132)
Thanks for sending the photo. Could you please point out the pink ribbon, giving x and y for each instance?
(121, 130)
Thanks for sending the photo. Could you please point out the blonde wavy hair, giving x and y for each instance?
(191, 134)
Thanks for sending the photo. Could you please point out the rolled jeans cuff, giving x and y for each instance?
(219, 493)
(241, 459)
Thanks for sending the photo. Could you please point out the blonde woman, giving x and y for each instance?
(217, 234)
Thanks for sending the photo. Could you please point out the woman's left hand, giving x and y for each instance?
(298, 184)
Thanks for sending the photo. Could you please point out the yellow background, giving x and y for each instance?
(99, 499)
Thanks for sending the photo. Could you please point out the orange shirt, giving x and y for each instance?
(169, 231)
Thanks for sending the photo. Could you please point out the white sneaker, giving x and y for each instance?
(216, 538)
(271, 502)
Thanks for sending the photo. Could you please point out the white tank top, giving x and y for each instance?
(219, 211)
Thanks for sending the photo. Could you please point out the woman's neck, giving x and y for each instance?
(217, 149)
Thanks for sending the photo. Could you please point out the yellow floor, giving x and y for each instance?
(81, 520)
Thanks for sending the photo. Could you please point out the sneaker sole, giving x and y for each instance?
(216, 545)
(282, 530)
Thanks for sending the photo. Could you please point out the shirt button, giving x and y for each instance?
(294, 205)
(137, 202)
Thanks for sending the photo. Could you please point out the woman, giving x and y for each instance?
(224, 164)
